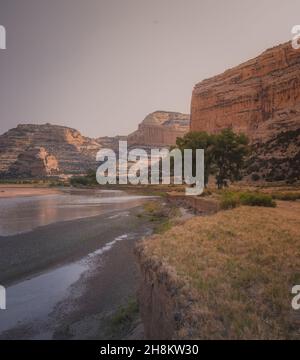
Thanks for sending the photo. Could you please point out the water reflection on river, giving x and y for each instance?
(22, 214)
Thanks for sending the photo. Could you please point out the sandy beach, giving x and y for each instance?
(23, 190)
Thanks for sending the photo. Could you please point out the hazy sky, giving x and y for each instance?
(101, 66)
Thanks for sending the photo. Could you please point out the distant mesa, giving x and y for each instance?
(160, 128)
(41, 151)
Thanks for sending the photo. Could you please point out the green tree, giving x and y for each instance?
(199, 140)
(229, 154)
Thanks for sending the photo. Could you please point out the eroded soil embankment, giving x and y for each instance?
(225, 276)
(165, 300)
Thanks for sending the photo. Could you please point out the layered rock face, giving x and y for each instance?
(260, 98)
(160, 128)
(111, 142)
(35, 162)
(45, 150)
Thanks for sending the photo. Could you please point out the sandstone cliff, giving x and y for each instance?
(160, 128)
(260, 98)
(45, 150)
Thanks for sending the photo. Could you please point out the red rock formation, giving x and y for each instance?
(260, 97)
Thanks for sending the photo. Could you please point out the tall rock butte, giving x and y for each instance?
(160, 128)
(260, 98)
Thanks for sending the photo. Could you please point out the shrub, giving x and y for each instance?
(231, 200)
(286, 196)
(257, 199)
(79, 180)
(88, 180)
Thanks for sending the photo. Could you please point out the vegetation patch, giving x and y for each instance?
(257, 199)
(124, 318)
(230, 199)
(161, 214)
(125, 314)
(286, 196)
(88, 180)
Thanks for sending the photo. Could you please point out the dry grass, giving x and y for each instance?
(242, 263)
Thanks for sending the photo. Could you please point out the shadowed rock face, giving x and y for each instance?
(260, 98)
(160, 128)
(45, 150)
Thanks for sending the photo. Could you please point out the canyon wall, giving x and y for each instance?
(160, 128)
(45, 150)
(260, 98)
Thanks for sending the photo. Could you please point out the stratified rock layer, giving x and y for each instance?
(160, 128)
(260, 98)
(45, 150)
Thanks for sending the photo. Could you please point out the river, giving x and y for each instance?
(67, 262)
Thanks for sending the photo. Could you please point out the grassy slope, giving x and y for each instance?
(242, 263)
